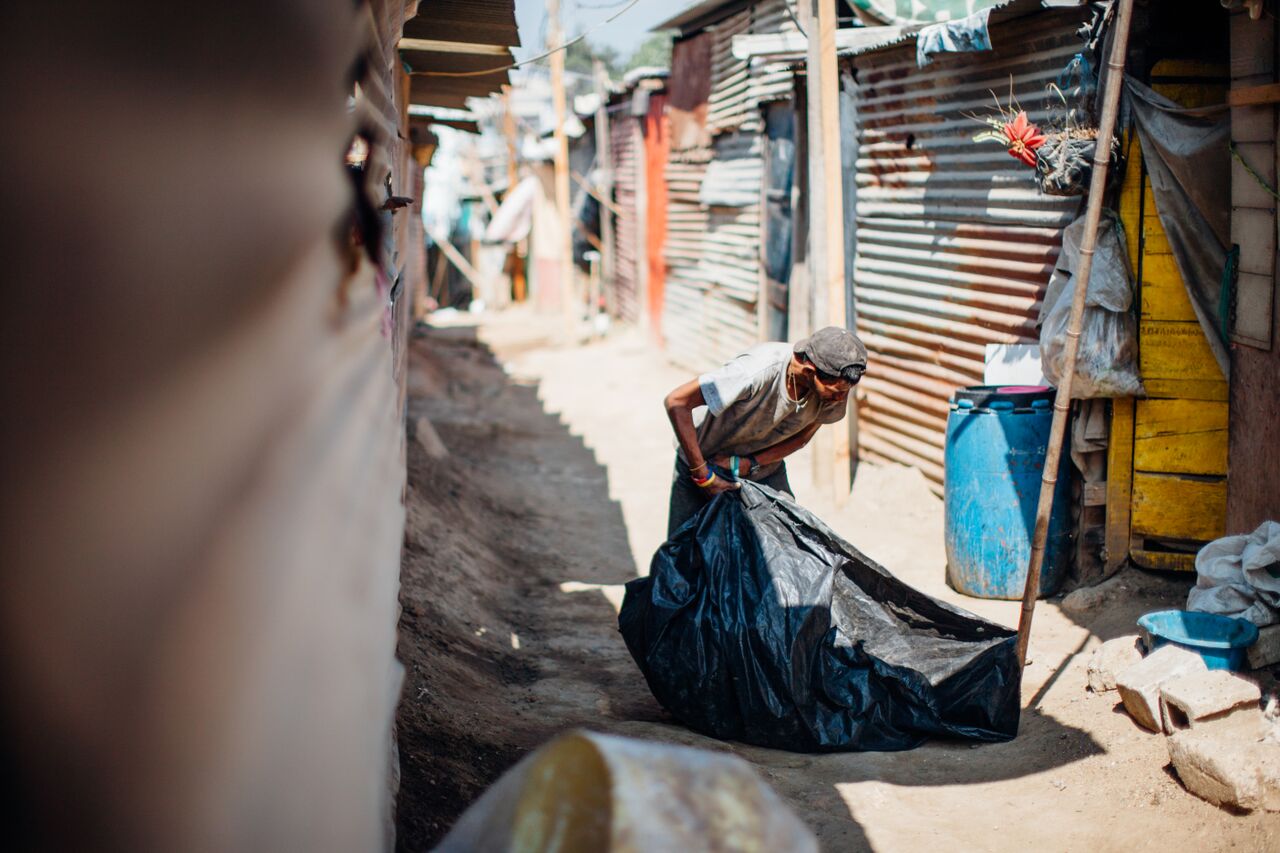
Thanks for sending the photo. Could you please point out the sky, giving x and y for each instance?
(624, 34)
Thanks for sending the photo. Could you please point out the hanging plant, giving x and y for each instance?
(1064, 163)
(1011, 128)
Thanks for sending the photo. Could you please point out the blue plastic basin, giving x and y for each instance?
(1220, 640)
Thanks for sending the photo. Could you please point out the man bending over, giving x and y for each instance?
(761, 407)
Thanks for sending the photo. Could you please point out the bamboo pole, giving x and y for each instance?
(1062, 402)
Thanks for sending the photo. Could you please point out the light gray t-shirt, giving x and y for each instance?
(748, 408)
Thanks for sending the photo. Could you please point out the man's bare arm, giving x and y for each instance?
(680, 404)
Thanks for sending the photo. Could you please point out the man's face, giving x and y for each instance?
(831, 389)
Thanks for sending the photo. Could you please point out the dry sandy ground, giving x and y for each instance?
(554, 494)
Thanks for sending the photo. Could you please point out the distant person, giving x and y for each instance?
(761, 407)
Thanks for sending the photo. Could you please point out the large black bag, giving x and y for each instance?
(758, 624)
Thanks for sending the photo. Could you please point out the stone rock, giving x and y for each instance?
(428, 439)
(1083, 600)
(1203, 698)
(1229, 764)
(1266, 651)
(1140, 684)
(1110, 658)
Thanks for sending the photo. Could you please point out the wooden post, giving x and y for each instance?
(604, 165)
(1062, 403)
(826, 209)
(568, 304)
(513, 177)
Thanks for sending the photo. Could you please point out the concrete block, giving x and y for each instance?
(1111, 658)
(1203, 698)
(1140, 684)
(1266, 651)
(1230, 764)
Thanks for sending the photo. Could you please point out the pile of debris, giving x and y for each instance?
(1223, 743)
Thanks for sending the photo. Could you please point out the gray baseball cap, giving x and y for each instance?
(835, 352)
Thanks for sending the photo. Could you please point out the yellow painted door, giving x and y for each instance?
(1177, 436)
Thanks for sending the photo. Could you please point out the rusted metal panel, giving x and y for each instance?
(657, 142)
(955, 243)
(688, 87)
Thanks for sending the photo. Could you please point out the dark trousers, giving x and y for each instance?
(687, 498)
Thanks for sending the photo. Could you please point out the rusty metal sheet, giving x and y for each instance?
(688, 88)
(954, 241)
(657, 142)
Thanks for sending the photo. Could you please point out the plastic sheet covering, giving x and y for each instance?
(512, 221)
(1107, 357)
(591, 793)
(757, 623)
(1187, 159)
(1240, 576)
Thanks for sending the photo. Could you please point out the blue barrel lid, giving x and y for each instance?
(1017, 396)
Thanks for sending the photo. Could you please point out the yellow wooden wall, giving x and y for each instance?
(1167, 465)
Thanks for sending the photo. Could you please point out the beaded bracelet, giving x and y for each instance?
(702, 484)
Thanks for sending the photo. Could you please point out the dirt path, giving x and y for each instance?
(554, 494)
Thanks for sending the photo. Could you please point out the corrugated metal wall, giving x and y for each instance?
(687, 222)
(729, 106)
(772, 81)
(714, 243)
(689, 88)
(729, 268)
(954, 241)
(626, 173)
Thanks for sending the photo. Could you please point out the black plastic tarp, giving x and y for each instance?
(757, 623)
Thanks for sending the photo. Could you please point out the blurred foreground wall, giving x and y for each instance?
(202, 438)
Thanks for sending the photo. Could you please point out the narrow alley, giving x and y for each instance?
(564, 454)
(632, 426)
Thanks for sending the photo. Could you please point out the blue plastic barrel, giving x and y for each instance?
(997, 438)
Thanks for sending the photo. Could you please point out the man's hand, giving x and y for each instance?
(721, 484)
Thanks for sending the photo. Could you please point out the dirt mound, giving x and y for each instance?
(486, 678)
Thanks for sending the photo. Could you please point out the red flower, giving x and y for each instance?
(1024, 138)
